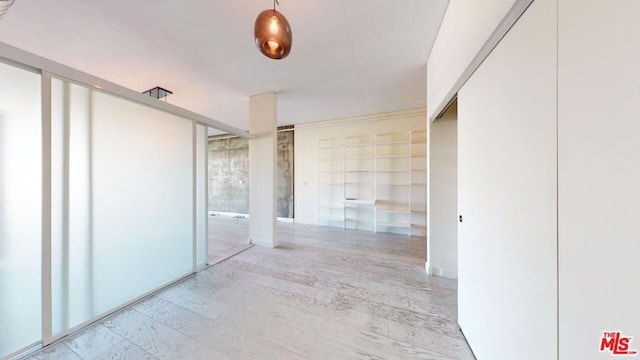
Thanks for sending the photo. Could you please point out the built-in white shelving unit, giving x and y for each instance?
(418, 203)
(374, 182)
(360, 182)
(330, 182)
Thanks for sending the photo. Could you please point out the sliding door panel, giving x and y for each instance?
(122, 202)
(71, 246)
(20, 208)
(599, 153)
(507, 195)
(142, 199)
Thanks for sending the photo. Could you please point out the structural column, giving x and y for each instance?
(262, 169)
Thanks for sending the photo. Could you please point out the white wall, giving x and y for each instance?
(507, 178)
(443, 195)
(466, 27)
(599, 173)
(306, 150)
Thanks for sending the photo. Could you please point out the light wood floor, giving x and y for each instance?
(325, 294)
(226, 236)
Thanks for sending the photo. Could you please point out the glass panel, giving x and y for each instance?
(122, 179)
(142, 199)
(71, 207)
(20, 208)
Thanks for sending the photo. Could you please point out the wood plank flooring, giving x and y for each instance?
(324, 294)
(227, 236)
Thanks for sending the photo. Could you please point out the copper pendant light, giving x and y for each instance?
(273, 34)
(4, 6)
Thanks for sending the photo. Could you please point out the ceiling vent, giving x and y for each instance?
(158, 93)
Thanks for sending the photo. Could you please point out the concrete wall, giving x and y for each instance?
(229, 174)
(285, 174)
(443, 195)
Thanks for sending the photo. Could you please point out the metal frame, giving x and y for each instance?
(47, 311)
(194, 192)
(206, 194)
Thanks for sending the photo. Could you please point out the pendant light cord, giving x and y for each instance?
(274, 4)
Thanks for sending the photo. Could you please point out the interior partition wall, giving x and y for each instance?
(123, 201)
(102, 202)
(20, 208)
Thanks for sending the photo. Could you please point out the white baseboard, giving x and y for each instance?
(227, 214)
(440, 272)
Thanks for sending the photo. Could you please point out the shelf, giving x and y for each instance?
(331, 171)
(359, 145)
(359, 158)
(360, 202)
(419, 211)
(329, 218)
(393, 156)
(403, 184)
(353, 220)
(358, 171)
(418, 183)
(394, 211)
(393, 224)
(393, 170)
(332, 206)
(393, 142)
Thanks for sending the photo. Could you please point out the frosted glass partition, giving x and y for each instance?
(20, 208)
(201, 193)
(122, 202)
(71, 246)
(142, 199)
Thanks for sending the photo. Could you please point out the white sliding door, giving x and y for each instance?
(142, 176)
(71, 245)
(20, 208)
(122, 202)
(507, 195)
(599, 162)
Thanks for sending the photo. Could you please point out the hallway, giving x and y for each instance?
(325, 293)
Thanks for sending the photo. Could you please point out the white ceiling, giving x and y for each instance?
(349, 57)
